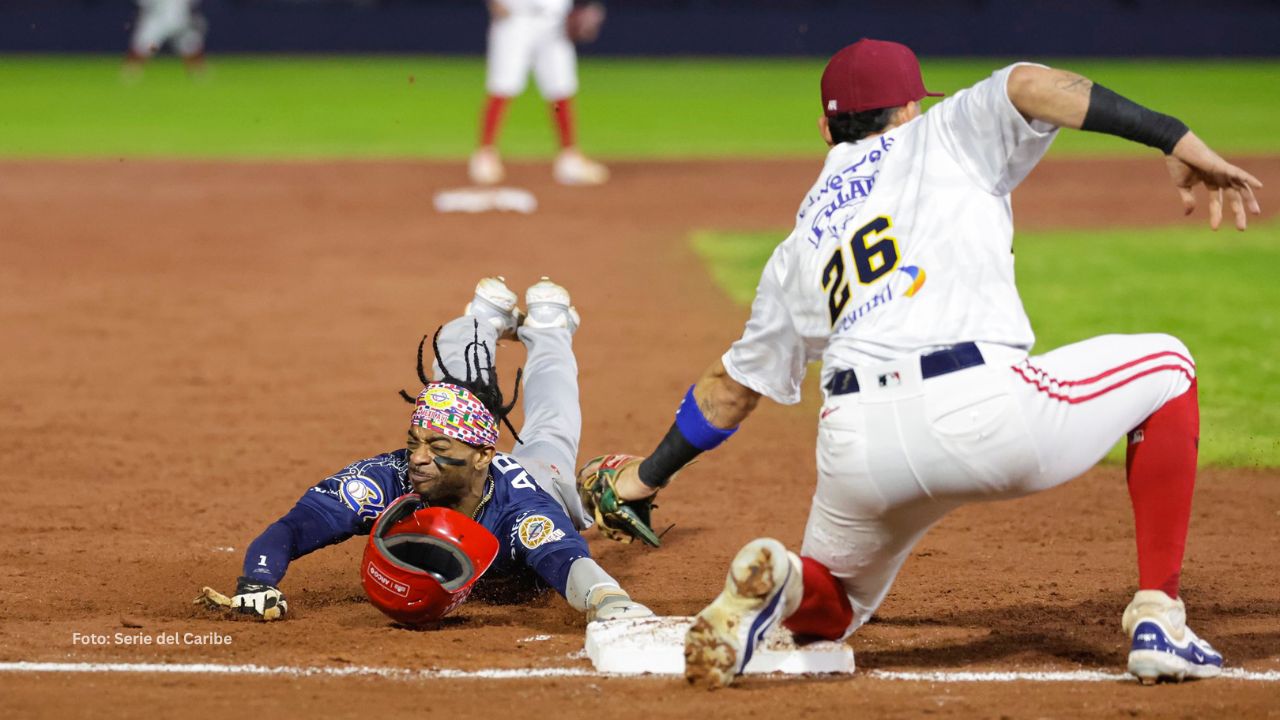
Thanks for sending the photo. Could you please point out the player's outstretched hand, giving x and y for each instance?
(259, 599)
(613, 603)
(1193, 163)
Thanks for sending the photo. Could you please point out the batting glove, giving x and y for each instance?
(260, 599)
(613, 603)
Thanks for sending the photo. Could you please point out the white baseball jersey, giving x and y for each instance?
(903, 244)
(531, 37)
(558, 8)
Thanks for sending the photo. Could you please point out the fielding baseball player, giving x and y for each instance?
(536, 35)
(526, 499)
(899, 277)
(177, 23)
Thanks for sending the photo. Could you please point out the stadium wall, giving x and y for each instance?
(1133, 28)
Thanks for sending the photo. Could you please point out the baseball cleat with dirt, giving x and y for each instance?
(574, 168)
(548, 305)
(494, 303)
(1163, 647)
(764, 585)
(485, 167)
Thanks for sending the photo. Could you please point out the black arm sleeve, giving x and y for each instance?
(673, 453)
(1117, 115)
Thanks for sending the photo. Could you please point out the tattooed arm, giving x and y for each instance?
(1059, 97)
(709, 414)
(724, 402)
(1065, 99)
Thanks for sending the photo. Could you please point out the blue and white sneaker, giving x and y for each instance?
(764, 586)
(1164, 648)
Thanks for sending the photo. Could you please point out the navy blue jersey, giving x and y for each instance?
(533, 531)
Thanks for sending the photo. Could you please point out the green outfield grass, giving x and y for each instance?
(1216, 292)
(255, 107)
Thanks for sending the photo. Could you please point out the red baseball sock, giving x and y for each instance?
(1161, 466)
(562, 111)
(494, 109)
(824, 611)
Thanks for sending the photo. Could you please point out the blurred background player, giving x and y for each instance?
(527, 499)
(174, 22)
(536, 35)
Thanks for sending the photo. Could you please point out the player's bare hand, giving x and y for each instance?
(497, 10)
(1194, 163)
(629, 485)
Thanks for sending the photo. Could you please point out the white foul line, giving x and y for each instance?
(216, 669)
(535, 673)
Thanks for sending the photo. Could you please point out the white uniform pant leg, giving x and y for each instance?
(894, 458)
(552, 417)
(454, 339)
(189, 41)
(158, 22)
(1078, 400)
(871, 506)
(555, 62)
(510, 53)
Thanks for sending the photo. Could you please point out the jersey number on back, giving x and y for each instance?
(874, 254)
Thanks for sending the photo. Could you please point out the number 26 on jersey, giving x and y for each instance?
(870, 251)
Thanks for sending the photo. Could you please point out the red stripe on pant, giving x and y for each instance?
(824, 611)
(1097, 393)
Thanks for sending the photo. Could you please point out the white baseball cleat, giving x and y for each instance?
(573, 168)
(765, 585)
(549, 306)
(485, 167)
(1163, 647)
(495, 303)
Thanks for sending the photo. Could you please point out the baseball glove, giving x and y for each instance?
(624, 521)
(584, 22)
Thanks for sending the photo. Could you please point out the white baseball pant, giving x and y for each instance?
(549, 397)
(520, 42)
(898, 455)
(162, 21)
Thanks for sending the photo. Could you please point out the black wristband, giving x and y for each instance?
(1117, 115)
(673, 453)
(246, 584)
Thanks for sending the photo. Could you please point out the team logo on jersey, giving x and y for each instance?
(838, 196)
(363, 496)
(917, 279)
(891, 290)
(537, 530)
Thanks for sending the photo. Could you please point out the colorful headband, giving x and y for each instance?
(455, 412)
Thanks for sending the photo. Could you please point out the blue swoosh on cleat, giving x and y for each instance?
(1150, 636)
(763, 621)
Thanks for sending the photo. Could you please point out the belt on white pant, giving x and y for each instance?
(938, 362)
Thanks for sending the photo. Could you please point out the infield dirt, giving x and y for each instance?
(189, 346)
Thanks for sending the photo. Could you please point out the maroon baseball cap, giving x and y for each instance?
(871, 74)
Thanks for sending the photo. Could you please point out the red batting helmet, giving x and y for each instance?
(421, 563)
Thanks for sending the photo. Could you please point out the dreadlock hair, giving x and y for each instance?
(481, 380)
